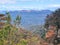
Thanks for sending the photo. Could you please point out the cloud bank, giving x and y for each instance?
(54, 5)
(27, 4)
(7, 1)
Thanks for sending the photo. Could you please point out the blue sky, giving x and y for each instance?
(29, 4)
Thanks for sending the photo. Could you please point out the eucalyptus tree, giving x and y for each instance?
(17, 21)
(53, 19)
(8, 17)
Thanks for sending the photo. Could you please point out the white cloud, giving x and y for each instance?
(29, 0)
(54, 5)
(37, 0)
(7, 1)
(3, 7)
(11, 7)
(14, 1)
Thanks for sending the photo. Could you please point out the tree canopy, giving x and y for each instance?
(8, 17)
(53, 19)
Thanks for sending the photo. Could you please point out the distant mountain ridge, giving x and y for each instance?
(30, 17)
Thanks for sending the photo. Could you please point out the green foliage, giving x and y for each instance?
(17, 21)
(23, 42)
(11, 35)
(8, 17)
(53, 19)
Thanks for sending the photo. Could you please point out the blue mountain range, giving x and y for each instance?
(30, 17)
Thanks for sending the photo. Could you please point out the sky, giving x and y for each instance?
(29, 4)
